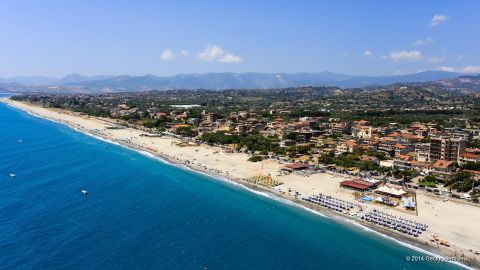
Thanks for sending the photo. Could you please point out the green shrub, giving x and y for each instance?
(255, 158)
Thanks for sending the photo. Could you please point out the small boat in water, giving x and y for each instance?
(12, 175)
(20, 140)
(84, 191)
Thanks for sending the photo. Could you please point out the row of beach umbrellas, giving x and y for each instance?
(330, 202)
(393, 222)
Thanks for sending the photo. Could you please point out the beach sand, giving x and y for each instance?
(452, 221)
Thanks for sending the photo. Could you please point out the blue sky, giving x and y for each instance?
(56, 38)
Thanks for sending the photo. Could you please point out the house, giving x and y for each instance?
(403, 162)
(421, 166)
(411, 137)
(362, 132)
(325, 142)
(370, 158)
(400, 149)
(423, 152)
(339, 128)
(387, 163)
(387, 146)
(444, 169)
(360, 122)
(348, 146)
(469, 157)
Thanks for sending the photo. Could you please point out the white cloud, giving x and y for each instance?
(230, 58)
(367, 52)
(184, 53)
(471, 69)
(215, 53)
(396, 56)
(211, 53)
(446, 68)
(437, 19)
(423, 42)
(437, 59)
(167, 55)
(467, 69)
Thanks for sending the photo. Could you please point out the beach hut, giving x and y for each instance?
(295, 166)
(357, 184)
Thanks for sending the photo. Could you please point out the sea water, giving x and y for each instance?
(141, 213)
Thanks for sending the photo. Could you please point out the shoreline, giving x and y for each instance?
(412, 243)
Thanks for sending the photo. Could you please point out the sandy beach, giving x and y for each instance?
(453, 221)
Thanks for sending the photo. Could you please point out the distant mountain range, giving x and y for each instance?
(211, 81)
(48, 81)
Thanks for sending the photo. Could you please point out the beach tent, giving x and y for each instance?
(390, 191)
(408, 203)
(367, 198)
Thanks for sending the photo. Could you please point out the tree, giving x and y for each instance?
(185, 131)
(292, 136)
(255, 158)
(471, 166)
(148, 124)
(462, 182)
(429, 181)
(425, 140)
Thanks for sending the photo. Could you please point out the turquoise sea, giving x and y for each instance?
(142, 213)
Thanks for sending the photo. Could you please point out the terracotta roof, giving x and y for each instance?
(417, 125)
(472, 150)
(357, 183)
(404, 157)
(368, 158)
(411, 136)
(351, 143)
(399, 146)
(179, 125)
(470, 155)
(360, 122)
(296, 166)
(364, 146)
(416, 163)
(442, 163)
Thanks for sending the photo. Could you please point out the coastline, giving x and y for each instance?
(274, 194)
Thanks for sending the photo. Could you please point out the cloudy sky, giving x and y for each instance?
(56, 38)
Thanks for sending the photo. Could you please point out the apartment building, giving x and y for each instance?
(447, 148)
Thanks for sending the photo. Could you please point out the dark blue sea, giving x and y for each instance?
(142, 213)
